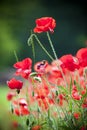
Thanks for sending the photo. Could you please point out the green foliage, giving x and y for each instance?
(7, 44)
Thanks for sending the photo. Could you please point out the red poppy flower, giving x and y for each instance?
(20, 107)
(14, 84)
(41, 66)
(84, 105)
(45, 24)
(55, 72)
(22, 102)
(76, 115)
(69, 62)
(10, 95)
(82, 57)
(15, 124)
(36, 127)
(76, 96)
(22, 110)
(23, 67)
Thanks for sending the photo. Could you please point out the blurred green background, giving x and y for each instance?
(17, 19)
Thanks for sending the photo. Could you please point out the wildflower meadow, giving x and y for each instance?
(49, 96)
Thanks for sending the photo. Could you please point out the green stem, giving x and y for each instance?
(51, 44)
(15, 54)
(52, 47)
(33, 49)
(29, 43)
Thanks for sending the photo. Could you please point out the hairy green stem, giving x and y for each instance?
(29, 43)
(52, 47)
(56, 58)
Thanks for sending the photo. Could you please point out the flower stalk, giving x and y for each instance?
(38, 41)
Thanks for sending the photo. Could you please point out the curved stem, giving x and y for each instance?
(29, 43)
(52, 47)
(33, 48)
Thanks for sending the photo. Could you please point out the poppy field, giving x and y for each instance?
(49, 96)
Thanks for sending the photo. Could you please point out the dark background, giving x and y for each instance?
(17, 19)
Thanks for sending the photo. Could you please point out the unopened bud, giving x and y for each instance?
(37, 78)
(27, 122)
(33, 74)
